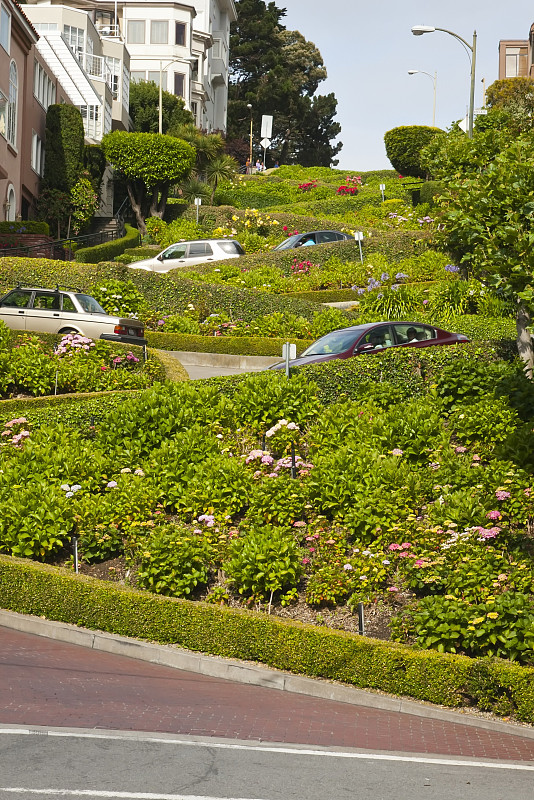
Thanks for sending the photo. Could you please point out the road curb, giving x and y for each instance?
(246, 673)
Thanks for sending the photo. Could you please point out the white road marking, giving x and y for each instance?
(294, 751)
(112, 795)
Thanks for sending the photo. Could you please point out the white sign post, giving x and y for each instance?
(382, 190)
(289, 352)
(266, 133)
(358, 235)
(198, 203)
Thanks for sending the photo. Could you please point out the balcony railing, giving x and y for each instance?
(109, 31)
(100, 67)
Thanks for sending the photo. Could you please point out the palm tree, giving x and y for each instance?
(221, 168)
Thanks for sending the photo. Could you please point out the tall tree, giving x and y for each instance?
(150, 163)
(144, 109)
(278, 72)
(486, 223)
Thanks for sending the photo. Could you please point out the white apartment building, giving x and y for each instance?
(183, 44)
(94, 70)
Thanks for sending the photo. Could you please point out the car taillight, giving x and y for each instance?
(124, 330)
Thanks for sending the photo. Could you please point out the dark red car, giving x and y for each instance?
(373, 337)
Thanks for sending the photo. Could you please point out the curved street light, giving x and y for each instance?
(249, 106)
(419, 30)
(434, 79)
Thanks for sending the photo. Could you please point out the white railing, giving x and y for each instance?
(100, 67)
(108, 31)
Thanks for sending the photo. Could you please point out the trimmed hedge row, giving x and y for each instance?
(449, 680)
(25, 226)
(108, 250)
(169, 293)
(74, 409)
(237, 345)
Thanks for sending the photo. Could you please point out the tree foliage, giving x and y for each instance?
(144, 109)
(514, 97)
(278, 72)
(64, 147)
(404, 145)
(150, 163)
(487, 224)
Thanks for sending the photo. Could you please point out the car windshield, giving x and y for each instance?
(287, 243)
(89, 304)
(335, 342)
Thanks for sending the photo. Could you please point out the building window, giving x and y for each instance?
(136, 31)
(5, 27)
(180, 34)
(12, 105)
(11, 205)
(37, 154)
(194, 70)
(159, 31)
(216, 49)
(194, 111)
(43, 88)
(153, 75)
(113, 70)
(3, 114)
(74, 38)
(44, 27)
(179, 84)
(516, 62)
(137, 75)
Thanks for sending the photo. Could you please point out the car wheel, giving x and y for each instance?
(65, 331)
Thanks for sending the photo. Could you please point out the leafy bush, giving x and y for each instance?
(173, 562)
(264, 561)
(24, 226)
(404, 145)
(502, 627)
(108, 250)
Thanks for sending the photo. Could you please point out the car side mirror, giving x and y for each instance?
(160, 257)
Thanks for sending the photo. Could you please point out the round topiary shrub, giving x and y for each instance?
(404, 145)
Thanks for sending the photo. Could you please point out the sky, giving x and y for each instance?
(368, 47)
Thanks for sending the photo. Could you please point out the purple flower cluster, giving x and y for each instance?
(452, 268)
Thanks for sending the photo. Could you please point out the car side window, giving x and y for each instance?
(176, 251)
(378, 338)
(328, 236)
(68, 304)
(46, 301)
(17, 299)
(409, 333)
(231, 247)
(199, 249)
(307, 240)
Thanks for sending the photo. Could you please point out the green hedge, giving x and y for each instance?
(326, 295)
(237, 345)
(25, 226)
(108, 250)
(69, 409)
(449, 680)
(165, 294)
(410, 370)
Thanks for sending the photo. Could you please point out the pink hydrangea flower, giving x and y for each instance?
(493, 515)
(500, 494)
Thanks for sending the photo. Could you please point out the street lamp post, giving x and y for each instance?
(249, 106)
(419, 30)
(434, 79)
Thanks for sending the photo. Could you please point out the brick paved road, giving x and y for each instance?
(50, 683)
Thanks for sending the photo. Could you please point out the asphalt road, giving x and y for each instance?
(71, 764)
(81, 723)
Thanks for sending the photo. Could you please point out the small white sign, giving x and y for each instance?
(198, 201)
(382, 187)
(265, 143)
(289, 351)
(266, 126)
(358, 235)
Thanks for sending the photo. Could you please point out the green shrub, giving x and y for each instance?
(245, 345)
(404, 145)
(25, 226)
(429, 190)
(173, 562)
(108, 250)
(264, 561)
(64, 147)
